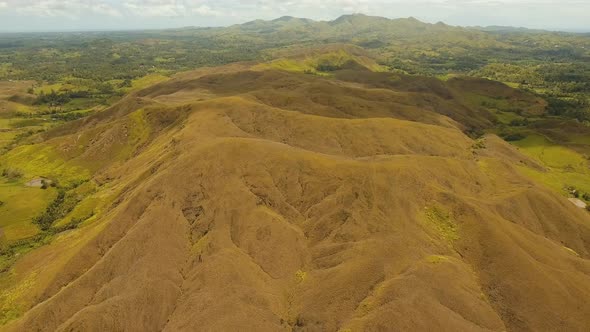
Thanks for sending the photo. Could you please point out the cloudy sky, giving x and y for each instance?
(67, 15)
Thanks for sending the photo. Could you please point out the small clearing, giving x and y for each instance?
(578, 202)
(38, 182)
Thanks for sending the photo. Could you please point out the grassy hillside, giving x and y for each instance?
(425, 167)
(246, 196)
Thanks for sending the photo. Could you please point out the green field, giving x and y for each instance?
(20, 205)
(565, 167)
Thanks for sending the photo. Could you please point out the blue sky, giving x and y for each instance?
(67, 15)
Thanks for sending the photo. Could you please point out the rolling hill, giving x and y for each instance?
(315, 193)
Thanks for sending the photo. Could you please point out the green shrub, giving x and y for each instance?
(519, 122)
(12, 173)
(63, 204)
(513, 137)
(52, 212)
(54, 183)
(443, 222)
(479, 144)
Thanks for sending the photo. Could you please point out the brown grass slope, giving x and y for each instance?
(272, 201)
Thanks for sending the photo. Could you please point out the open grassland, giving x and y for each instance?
(20, 119)
(566, 168)
(322, 64)
(43, 161)
(552, 155)
(507, 118)
(145, 81)
(20, 205)
(47, 88)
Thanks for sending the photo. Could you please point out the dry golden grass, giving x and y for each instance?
(330, 207)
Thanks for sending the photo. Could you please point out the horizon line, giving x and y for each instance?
(146, 29)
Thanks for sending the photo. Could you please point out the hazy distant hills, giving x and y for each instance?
(347, 26)
(362, 26)
(409, 35)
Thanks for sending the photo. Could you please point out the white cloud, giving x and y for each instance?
(65, 8)
(106, 9)
(205, 10)
(155, 8)
(167, 13)
(171, 8)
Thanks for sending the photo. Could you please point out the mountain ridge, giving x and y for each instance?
(360, 19)
(246, 197)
